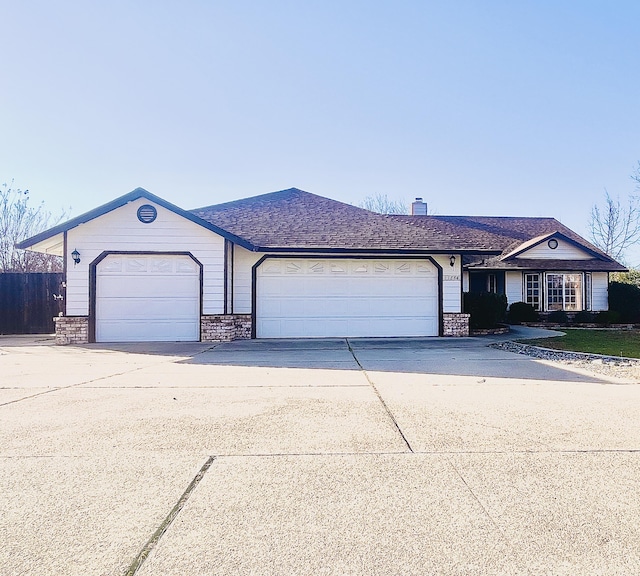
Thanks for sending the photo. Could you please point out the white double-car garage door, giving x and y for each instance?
(311, 298)
(147, 298)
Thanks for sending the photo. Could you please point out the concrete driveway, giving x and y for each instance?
(420, 456)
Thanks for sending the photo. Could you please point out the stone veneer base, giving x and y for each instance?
(225, 327)
(456, 325)
(72, 329)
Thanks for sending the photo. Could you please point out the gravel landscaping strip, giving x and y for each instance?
(619, 367)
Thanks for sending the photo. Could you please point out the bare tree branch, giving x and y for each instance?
(381, 204)
(635, 176)
(18, 221)
(615, 226)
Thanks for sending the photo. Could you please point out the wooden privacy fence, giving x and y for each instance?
(27, 302)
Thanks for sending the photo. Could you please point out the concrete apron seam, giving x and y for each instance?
(101, 378)
(523, 569)
(305, 454)
(164, 526)
(475, 497)
(58, 388)
(267, 455)
(377, 393)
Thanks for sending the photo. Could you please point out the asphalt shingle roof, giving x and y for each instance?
(503, 233)
(298, 220)
(294, 219)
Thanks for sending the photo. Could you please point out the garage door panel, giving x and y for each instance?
(271, 286)
(272, 308)
(154, 331)
(335, 326)
(324, 285)
(140, 308)
(292, 326)
(147, 298)
(354, 307)
(272, 326)
(297, 307)
(151, 285)
(377, 286)
(347, 297)
(410, 306)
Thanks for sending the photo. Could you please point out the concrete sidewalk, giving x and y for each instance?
(414, 456)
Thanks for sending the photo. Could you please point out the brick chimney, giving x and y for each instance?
(419, 208)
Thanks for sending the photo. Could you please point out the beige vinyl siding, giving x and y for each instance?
(599, 291)
(451, 283)
(564, 251)
(120, 230)
(513, 286)
(243, 261)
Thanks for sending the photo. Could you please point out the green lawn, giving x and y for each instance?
(611, 342)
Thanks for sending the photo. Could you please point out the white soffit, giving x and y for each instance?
(53, 245)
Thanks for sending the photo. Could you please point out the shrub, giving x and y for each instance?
(522, 312)
(584, 317)
(625, 300)
(486, 309)
(607, 317)
(558, 317)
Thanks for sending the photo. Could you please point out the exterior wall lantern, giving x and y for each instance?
(76, 256)
(452, 261)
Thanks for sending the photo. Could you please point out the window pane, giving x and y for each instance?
(573, 292)
(555, 292)
(532, 290)
(564, 292)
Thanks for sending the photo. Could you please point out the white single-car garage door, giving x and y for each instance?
(145, 298)
(314, 298)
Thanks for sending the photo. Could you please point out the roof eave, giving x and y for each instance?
(551, 266)
(344, 250)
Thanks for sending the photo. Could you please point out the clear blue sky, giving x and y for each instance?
(480, 107)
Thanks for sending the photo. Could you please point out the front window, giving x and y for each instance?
(533, 290)
(564, 292)
(492, 283)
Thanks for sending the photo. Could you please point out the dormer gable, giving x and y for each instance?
(552, 246)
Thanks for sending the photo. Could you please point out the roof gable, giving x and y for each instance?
(541, 248)
(117, 203)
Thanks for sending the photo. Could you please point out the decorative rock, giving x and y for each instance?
(616, 366)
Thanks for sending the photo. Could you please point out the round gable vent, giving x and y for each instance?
(147, 214)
